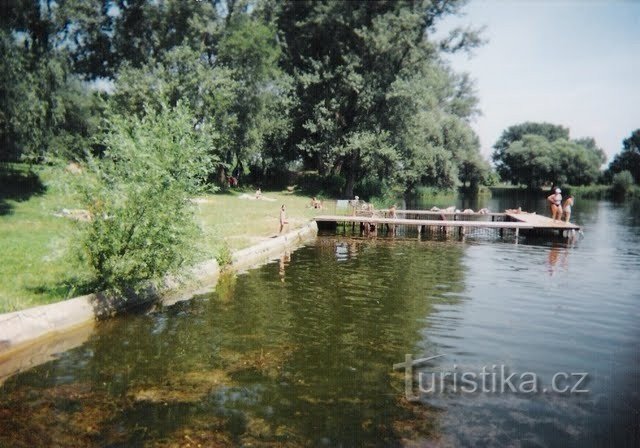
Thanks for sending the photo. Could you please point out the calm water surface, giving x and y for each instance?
(300, 351)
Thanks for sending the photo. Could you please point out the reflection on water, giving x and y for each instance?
(558, 252)
(300, 351)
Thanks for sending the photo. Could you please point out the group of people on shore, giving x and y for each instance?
(560, 209)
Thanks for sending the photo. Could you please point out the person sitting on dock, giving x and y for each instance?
(555, 200)
(566, 208)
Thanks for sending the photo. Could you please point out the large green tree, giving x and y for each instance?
(629, 158)
(358, 66)
(45, 107)
(240, 96)
(550, 132)
(535, 154)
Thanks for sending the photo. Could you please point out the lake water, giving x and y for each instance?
(300, 352)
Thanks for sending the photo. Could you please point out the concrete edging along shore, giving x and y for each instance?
(23, 329)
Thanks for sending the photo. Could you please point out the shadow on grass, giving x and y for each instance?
(66, 289)
(17, 184)
(105, 304)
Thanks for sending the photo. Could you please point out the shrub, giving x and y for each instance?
(224, 257)
(622, 183)
(143, 226)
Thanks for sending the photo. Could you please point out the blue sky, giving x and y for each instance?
(574, 63)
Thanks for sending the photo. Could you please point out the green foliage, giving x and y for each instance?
(621, 184)
(512, 134)
(589, 191)
(628, 159)
(45, 112)
(225, 256)
(375, 99)
(546, 155)
(354, 90)
(240, 99)
(138, 194)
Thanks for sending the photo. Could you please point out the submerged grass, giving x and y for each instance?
(38, 264)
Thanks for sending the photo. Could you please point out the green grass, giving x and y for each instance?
(37, 262)
(36, 265)
(239, 223)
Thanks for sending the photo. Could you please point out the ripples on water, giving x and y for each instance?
(300, 352)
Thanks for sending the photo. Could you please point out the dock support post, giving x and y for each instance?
(517, 234)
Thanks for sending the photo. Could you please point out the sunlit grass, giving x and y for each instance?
(36, 265)
(37, 261)
(230, 219)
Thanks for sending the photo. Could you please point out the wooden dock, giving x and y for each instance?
(527, 223)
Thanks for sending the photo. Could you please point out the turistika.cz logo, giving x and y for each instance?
(494, 379)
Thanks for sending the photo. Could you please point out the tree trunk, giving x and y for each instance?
(351, 181)
(222, 177)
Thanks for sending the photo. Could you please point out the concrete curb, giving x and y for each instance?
(22, 329)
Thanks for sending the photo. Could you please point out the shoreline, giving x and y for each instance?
(32, 336)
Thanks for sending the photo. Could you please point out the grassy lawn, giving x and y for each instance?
(229, 219)
(37, 265)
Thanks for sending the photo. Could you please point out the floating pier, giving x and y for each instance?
(460, 222)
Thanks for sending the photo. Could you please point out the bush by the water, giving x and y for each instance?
(622, 183)
(143, 225)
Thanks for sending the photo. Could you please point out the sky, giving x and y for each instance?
(573, 63)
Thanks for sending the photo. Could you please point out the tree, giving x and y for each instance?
(241, 98)
(354, 65)
(574, 163)
(628, 159)
(529, 160)
(550, 158)
(45, 109)
(550, 132)
(621, 184)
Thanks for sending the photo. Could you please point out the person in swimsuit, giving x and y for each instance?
(555, 200)
(283, 218)
(393, 214)
(566, 208)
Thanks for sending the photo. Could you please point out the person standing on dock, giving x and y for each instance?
(555, 200)
(354, 203)
(393, 214)
(566, 208)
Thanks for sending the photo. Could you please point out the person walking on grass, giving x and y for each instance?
(555, 201)
(283, 217)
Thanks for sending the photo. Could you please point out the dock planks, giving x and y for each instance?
(423, 222)
(516, 221)
(542, 222)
